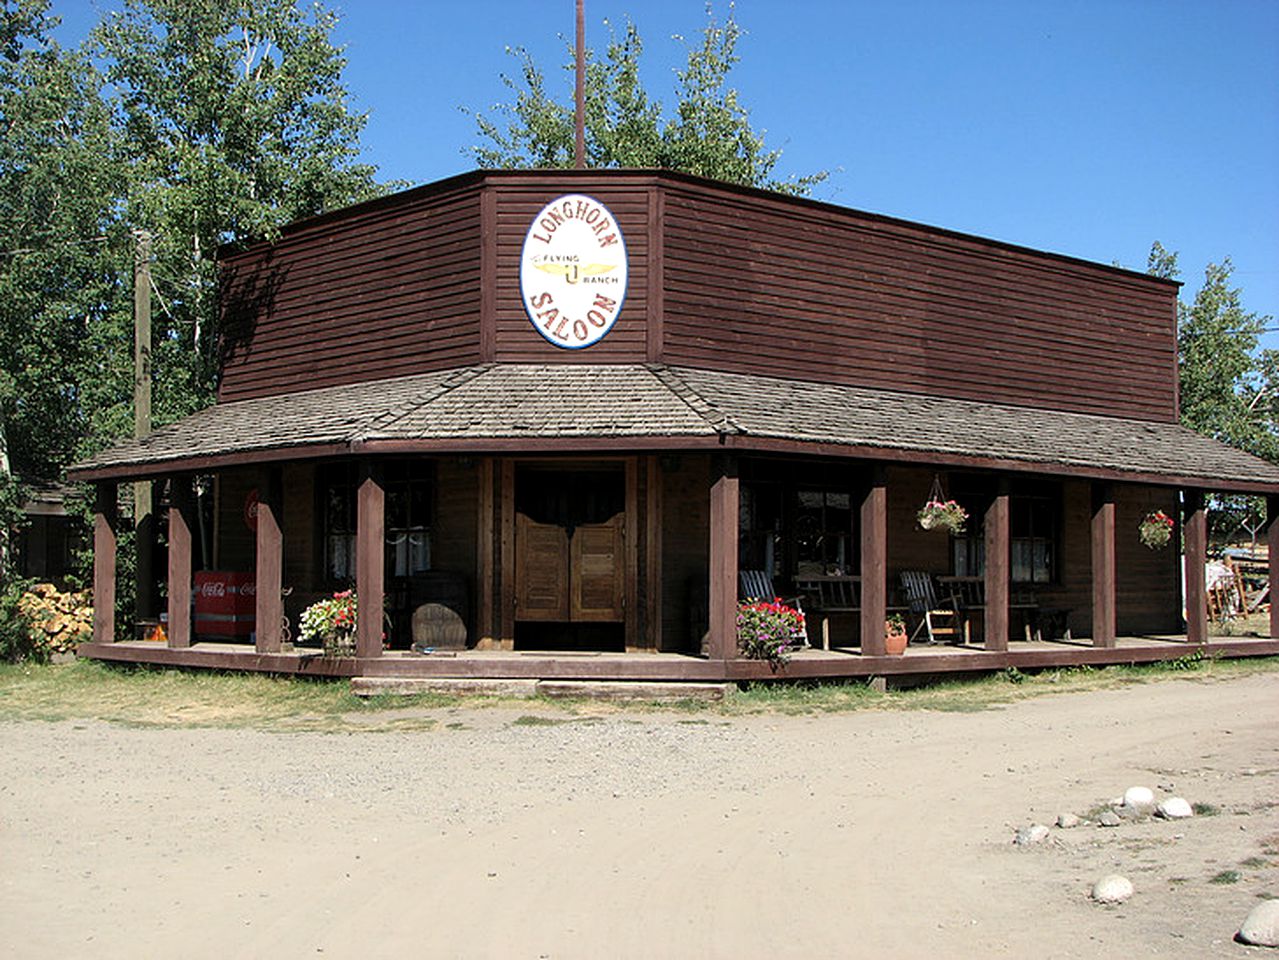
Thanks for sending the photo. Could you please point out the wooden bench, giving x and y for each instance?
(969, 596)
(825, 595)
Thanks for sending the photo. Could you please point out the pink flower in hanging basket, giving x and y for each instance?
(946, 515)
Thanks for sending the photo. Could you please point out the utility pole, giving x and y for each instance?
(579, 93)
(143, 512)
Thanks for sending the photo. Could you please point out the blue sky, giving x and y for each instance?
(1085, 127)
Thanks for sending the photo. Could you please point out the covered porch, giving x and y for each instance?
(688, 463)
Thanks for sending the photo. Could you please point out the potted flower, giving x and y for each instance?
(895, 635)
(769, 630)
(1155, 529)
(331, 621)
(945, 515)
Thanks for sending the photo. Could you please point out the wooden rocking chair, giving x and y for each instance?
(940, 618)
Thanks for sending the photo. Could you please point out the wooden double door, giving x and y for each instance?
(570, 530)
(569, 576)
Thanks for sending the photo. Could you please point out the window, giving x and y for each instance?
(1032, 529)
(410, 495)
(337, 485)
(760, 531)
(823, 532)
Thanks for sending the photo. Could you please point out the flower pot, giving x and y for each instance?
(894, 640)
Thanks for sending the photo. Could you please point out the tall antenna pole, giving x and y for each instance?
(579, 145)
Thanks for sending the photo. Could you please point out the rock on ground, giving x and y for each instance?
(1261, 929)
(1139, 797)
(1108, 818)
(1068, 820)
(1028, 836)
(1112, 889)
(1174, 808)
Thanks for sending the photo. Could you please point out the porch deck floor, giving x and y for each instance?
(548, 665)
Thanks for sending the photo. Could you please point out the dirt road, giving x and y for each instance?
(873, 834)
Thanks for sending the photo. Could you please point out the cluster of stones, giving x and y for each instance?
(1261, 928)
(58, 620)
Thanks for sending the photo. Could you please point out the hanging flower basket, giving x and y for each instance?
(1155, 529)
(332, 622)
(769, 630)
(944, 515)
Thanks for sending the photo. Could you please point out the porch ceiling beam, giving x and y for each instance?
(1196, 536)
(474, 446)
(1103, 565)
(106, 520)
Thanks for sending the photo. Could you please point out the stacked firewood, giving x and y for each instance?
(58, 620)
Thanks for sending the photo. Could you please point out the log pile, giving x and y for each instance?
(59, 620)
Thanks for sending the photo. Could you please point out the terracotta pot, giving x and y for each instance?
(894, 640)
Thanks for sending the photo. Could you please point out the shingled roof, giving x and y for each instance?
(589, 406)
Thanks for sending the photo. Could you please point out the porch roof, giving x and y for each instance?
(590, 407)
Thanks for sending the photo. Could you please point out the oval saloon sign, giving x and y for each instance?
(573, 271)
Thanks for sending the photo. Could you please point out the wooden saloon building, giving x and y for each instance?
(570, 408)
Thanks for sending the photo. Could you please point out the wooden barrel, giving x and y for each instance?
(436, 626)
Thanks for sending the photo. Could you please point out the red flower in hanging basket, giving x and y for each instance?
(1155, 529)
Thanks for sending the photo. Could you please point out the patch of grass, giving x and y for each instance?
(1096, 811)
(1205, 809)
(143, 696)
(1254, 863)
(529, 720)
(1226, 876)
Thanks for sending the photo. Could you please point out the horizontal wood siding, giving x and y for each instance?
(518, 201)
(765, 286)
(387, 291)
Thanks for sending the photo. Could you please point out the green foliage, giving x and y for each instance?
(200, 122)
(332, 621)
(768, 630)
(1222, 382)
(59, 239)
(233, 121)
(709, 134)
(1229, 387)
(17, 638)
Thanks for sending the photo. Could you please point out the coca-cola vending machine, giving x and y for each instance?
(225, 605)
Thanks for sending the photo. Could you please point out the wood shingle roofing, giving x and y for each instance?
(567, 407)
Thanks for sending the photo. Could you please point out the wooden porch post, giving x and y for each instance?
(486, 568)
(995, 525)
(1103, 565)
(105, 524)
(269, 608)
(180, 501)
(1196, 533)
(874, 564)
(725, 499)
(370, 561)
(1272, 540)
(653, 554)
